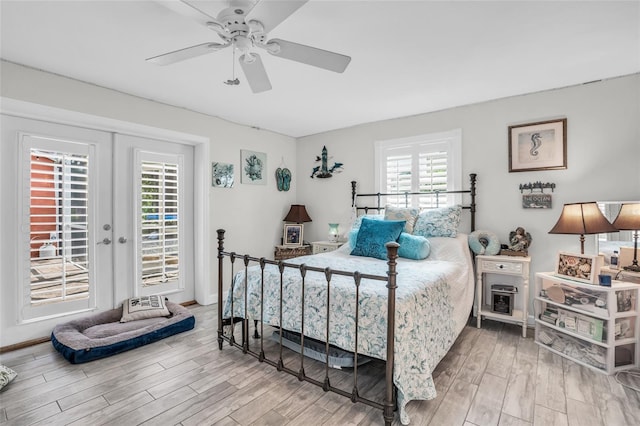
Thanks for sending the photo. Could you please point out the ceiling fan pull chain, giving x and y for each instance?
(235, 81)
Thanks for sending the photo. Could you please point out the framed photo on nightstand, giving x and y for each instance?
(292, 235)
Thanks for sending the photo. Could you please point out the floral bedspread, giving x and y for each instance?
(424, 325)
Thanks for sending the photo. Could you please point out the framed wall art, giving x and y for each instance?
(222, 175)
(253, 167)
(579, 267)
(538, 146)
(292, 235)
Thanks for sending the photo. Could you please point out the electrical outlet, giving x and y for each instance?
(53, 236)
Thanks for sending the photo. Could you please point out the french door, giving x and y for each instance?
(100, 217)
(153, 217)
(61, 218)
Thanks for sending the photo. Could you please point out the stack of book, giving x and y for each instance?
(550, 315)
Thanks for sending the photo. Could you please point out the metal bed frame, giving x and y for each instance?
(388, 404)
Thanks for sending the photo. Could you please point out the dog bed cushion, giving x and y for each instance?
(102, 335)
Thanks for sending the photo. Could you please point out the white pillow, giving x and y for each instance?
(142, 307)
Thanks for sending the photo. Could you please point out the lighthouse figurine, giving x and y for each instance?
(323, 171)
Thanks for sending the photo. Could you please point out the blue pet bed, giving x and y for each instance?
(102, 335)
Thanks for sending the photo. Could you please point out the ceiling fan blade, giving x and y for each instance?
(309, 55)
(185, 9)
(272, 13)
(255, 73)
(186, 53)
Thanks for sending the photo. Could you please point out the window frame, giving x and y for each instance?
(141, 157)
(450, 141)
(29, 311)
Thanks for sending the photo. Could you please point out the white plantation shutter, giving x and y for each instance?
(427, 163)
(432, 176)
(159, 230)
(58, 232)
(399, 177)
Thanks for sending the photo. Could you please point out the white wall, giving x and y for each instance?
(603, 151)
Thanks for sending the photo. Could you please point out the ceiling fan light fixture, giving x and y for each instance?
(242, 43)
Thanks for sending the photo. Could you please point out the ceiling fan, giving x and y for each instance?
(244, 26)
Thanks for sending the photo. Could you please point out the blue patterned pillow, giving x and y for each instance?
(414, 247)
(411, 246)
(374, 234)
(410, 214)
(442, 222)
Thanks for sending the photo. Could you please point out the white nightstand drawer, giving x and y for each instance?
(505, 267)
(325, 246)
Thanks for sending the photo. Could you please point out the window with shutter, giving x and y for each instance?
(159, 230)
(423, 164)
(58, 232)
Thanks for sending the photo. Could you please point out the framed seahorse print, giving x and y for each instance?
(538, 146)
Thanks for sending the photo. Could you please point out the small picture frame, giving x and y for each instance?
(292, 235)
(538, 146)
(579, 267)
(222, 175)
(253, 167)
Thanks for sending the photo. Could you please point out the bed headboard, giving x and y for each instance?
(359, 201)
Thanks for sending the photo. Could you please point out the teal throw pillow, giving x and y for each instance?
(374, 234)
(358, 222)
(414, 247)
(411, 246)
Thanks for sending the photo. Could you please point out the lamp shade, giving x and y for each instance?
(297, 213)
(628, 218)
(581, 219)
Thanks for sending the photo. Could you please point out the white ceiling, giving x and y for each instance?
(408, 57)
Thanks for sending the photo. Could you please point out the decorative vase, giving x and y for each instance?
(333, 232)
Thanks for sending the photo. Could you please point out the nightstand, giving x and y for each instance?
(325, 246)
(289, 252)
(502, 291)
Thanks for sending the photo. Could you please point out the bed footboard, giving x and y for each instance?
(388, 404)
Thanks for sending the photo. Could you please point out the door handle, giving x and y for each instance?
(122, 240)
(106, 241)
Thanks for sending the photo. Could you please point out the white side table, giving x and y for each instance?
(502, 289)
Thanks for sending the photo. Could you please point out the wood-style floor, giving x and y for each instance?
(491, 376)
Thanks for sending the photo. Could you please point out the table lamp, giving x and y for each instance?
(581, 219)
(298, 214)
(629, 220)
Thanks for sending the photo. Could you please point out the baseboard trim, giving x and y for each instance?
(22, 345)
